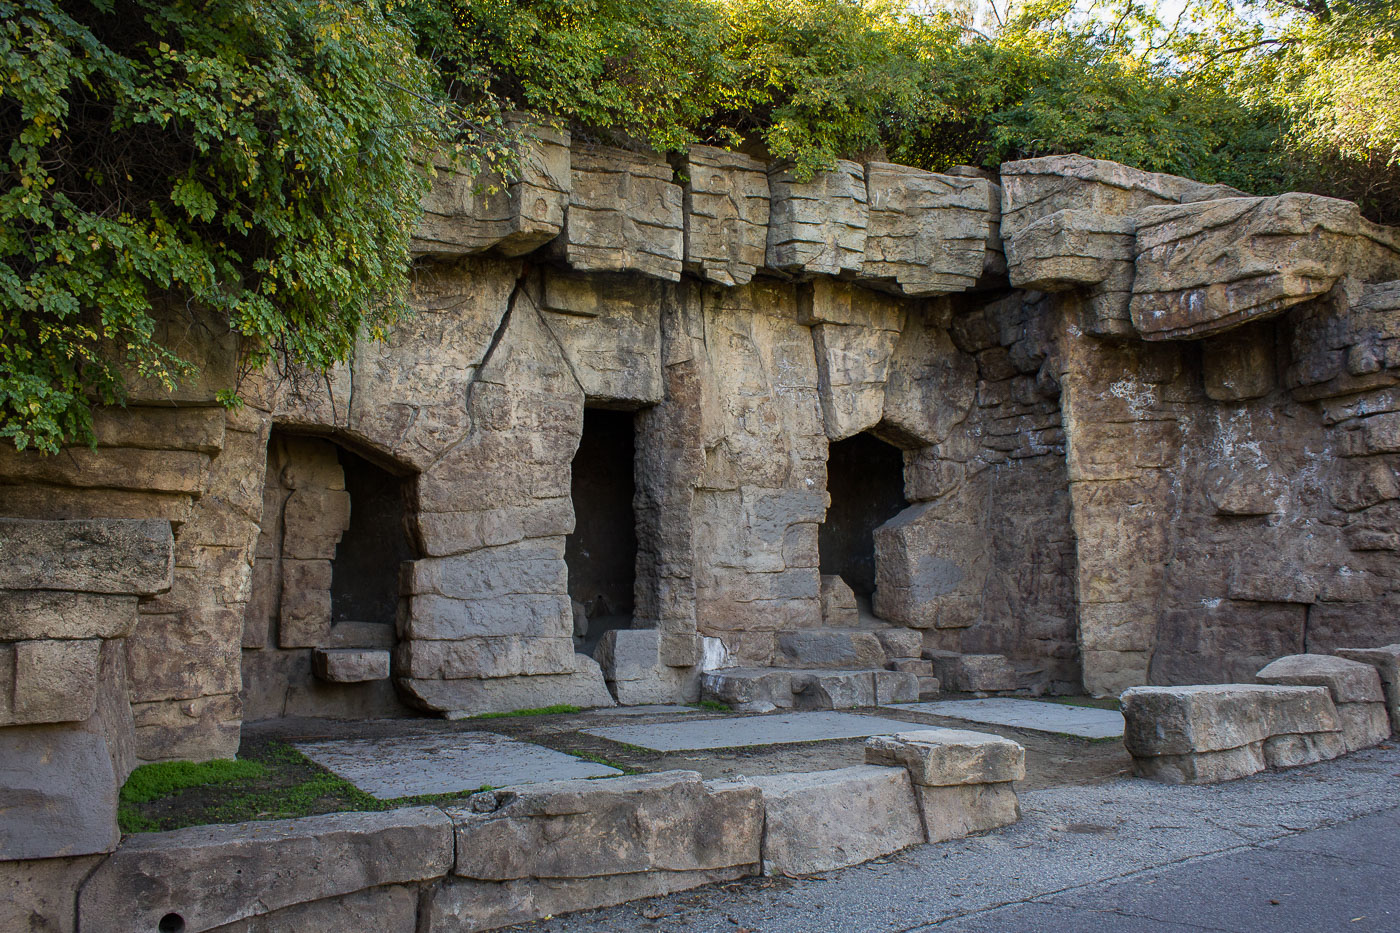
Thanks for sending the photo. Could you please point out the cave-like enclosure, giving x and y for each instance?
(865, 479)
(601, 553)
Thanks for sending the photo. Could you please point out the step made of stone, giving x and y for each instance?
(762, 689)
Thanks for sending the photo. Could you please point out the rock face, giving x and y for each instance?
(1355, 689)
(1137, 430)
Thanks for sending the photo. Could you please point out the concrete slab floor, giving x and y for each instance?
(413, 765)
(743, 731)
(1084, 721)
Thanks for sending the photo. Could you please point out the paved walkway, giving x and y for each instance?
(1311, 850)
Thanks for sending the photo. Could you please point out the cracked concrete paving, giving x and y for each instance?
(1309, 849)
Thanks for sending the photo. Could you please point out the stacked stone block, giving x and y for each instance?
(1355, 689)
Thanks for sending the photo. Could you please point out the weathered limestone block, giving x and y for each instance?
(624, 214)
(1220, 717)
(955, 811)
(160, 428)
(461, 905)
(895, 686)
(36, 896)
(671, 821)
(48, 681)
(1036, 188)
(389, 909)
(610, 333)
(749, 690)
(1386, 661)
(498, 656)
(201, 729)
(59, 782)
(1209, 267)
(900, 642)
(1069, 249)
(409, 395)
(279, 863)
(726, 215)
(831, 648)
(466, 697)
(465, 213)
(514, 589)
(973, 673)
(929, 569)
(26, 614)
(1355, 688)
(314, 519)
(931, 385)
(88, 556)
(820, 821)
(1203, 767)
(350, 665)
(818, 227)
(305, 617)
(946, 757)
(634, 668)
(926, 233)
(839, 609)
(833, 689)
(855, 332)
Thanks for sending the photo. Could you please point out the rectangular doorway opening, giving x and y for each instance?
(865, 479)
(601, 554)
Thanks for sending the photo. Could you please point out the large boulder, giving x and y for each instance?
(1355, 688)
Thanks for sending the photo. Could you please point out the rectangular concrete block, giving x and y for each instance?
(670, 821)
(948, 757)
(962, 809)
(209, 876)
(823, 820)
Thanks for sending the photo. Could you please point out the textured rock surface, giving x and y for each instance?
(514, 214)
(1220, 717)
(947, 757)
(670, 822)
(389, 909)
(1207, 267)
(1069, 248)
(107, 556)
(624, 214)
(818, 227)
(962, 809)
(823, 820)
(1386, 661)
(926, 233)
(350, 665)
(1347, 681)
(38, 896)
(281, 863)
(726, 215)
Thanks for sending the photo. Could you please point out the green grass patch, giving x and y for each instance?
(608, 762)
(156, 780)
(714, 705)
(537, 711)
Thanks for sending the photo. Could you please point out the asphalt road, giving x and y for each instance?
(1310, 850)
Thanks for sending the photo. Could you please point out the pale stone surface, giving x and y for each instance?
(755, 730)
(461, 905)
(50, 681)
(609, 331)
(726, 215)
(926, 233)
(839, 608)
(38, 896)
(388, 909)
(818, 227)
(1205, 268)
(822, 690)
(414, 765)
(282, 863)
(896, 687)
(1220, 717)
(945, 757)
(1363, 724)
(59, 782)
(1386, 661)
(819, 821)
(1347, 681)
(1083, 721)
(89, 556)
(513, 214)
(632, 664)
(26, 614)
(624, 214)
(350, 665)
(831, 648)
(669, 821)
(1069, 249)
(958, 810)
(1210, 767)
(855, 333)
(1036, 188)
(459, 698)
(757, 690)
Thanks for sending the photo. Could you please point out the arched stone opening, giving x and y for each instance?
(320, 625)
(601, 553)
(865, 480)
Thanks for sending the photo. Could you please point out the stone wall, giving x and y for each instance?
(1149, 431)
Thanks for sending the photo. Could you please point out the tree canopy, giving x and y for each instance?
(262, 160)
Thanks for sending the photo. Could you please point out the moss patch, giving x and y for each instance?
(535, 711)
